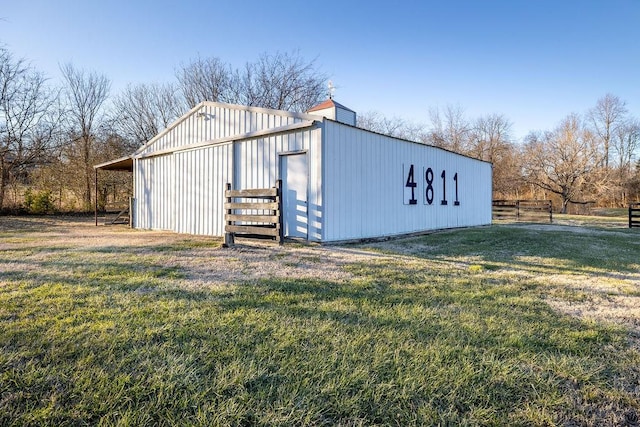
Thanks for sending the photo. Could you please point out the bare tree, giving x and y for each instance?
(625, 142)
(608, 114)
(207, 79)
(280, 81)
(27, 127)
(141, 112)
(490, 135)
(508, 181)
(85, 94)
(562, 161)
(490, 140)
(396, 126)
(633, 185)
(449, 128)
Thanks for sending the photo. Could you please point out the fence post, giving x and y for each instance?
(517, 210)
(630, 216)
(550, 210)
(228, 236)
(279, 212)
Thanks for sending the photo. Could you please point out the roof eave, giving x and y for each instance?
(121, 164)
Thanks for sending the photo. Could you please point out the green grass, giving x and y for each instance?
(618, 218)
(456, 333)
(595, 249)
(610, 212)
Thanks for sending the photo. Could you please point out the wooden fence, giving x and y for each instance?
(254, 213)
(634, 215)
(523, 210)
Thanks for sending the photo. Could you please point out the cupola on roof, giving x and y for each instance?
(335, 111)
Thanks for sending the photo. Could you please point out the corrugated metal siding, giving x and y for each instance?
(184, 191)
(259, 162)
(201, 177)
(356, 178)
(154, 193)
(364, 185)
(258, 167)
(346, 116)
(212, 122)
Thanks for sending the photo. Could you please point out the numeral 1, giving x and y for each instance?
(455, 179)
(444, 188)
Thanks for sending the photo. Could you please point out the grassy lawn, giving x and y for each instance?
(618, 218)
(463, 327)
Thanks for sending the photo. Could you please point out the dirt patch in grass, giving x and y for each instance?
(203, 260)
(623, 310)
(604, 296)
(611, 297)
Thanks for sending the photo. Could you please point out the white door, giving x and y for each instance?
(294, 194)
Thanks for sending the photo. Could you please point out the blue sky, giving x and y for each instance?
(535, 61)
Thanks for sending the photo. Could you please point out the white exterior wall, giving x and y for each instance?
(183, 191)
(259, 167)
(210, 121)
(154, 193)
(338, 114)
(201, 177)
(364, 182)
(345, 116)
(356, 179)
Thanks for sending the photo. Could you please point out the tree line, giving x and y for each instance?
(51, 137)
(587, 160)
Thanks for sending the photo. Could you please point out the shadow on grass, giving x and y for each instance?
(479, 315)
(393, 346)
(24, 224)
(39, 224)
(333, 353)
(126, 271)
(565, 251)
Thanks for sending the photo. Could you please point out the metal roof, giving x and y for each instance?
(329, 103)
(121, 164)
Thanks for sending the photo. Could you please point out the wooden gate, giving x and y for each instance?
(119, 213)
(253, 213)
(634, 215)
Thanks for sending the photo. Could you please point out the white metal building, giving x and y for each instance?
(340, 182)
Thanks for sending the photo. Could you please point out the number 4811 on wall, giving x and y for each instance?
(413, 191)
